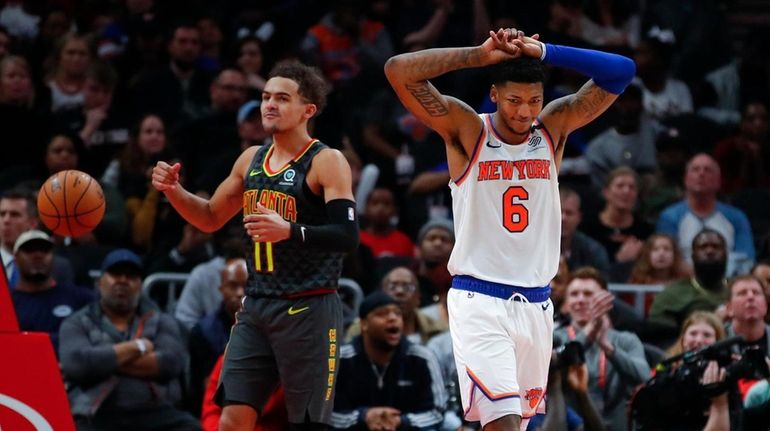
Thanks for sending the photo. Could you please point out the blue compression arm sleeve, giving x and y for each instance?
(611, 72)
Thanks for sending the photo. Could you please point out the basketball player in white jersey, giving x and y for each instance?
(504, 169)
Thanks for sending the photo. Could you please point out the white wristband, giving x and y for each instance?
(542, 47)
(141, 346)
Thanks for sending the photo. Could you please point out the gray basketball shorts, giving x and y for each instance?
(294, 342)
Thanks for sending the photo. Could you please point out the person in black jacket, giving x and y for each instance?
(385, 382)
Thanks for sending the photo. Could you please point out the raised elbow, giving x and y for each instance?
(392, 67)
(628, 68)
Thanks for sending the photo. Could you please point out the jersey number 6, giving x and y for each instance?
(515, 214)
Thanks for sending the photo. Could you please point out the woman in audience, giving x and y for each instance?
(660, 262)
(250, 62)
(24, 129)
(67, 75)
(149, 214)
(701, 329)
(617, 228)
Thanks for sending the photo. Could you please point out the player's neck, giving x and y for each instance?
(289, 142)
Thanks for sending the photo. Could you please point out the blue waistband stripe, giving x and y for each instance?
(499, 290)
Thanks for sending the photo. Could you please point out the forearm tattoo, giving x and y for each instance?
(427, 99)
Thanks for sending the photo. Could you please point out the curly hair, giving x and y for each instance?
(312, 85)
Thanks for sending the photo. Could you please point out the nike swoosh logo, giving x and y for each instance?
(545, 306)
(254, 172)
(292, 311)
(493, 146)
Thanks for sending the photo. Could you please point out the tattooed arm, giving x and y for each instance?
(609, 73)
(453, 119)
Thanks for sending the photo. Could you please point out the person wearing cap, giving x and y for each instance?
(401, 284)
(122, 358)
(18, 213)
(385, 381)
(435, 242)
(41, 301)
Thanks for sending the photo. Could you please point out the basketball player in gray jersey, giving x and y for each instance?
(299, 218)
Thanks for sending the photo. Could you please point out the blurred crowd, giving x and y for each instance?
(669, 188)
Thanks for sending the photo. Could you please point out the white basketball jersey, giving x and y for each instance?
(507, 212)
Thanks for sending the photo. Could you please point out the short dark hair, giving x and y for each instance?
(707, 231)
(522, 69)
(21, 193)
(312, 85)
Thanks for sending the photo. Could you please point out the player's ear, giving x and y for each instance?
(310, 110)
(493, 93)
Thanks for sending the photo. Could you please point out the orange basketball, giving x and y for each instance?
(71, 203)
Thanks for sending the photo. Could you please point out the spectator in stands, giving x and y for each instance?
(150, 222)
(435, 242)
(250, 61)
(662, 95)
(701, 209)
(762, 271)
(18, 214)
(209, 336)
(351, 50)
(401, 283)
(629, 142)
(747, 309)
(216, 129)
(660, 262)
(617, 228)
(210, 58)
(200, 294)
(41, 301)
(379, 234)
(703, 328)
(615, 359)
(65, 151)
(559, 294)
(177, 91)
(24, 128)
(576, 247)
(385, 382)
(250, 133)
(705, 290)
(744, 158)
(665, 185)
(97, 122)
(67, 76)
(122, 358)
